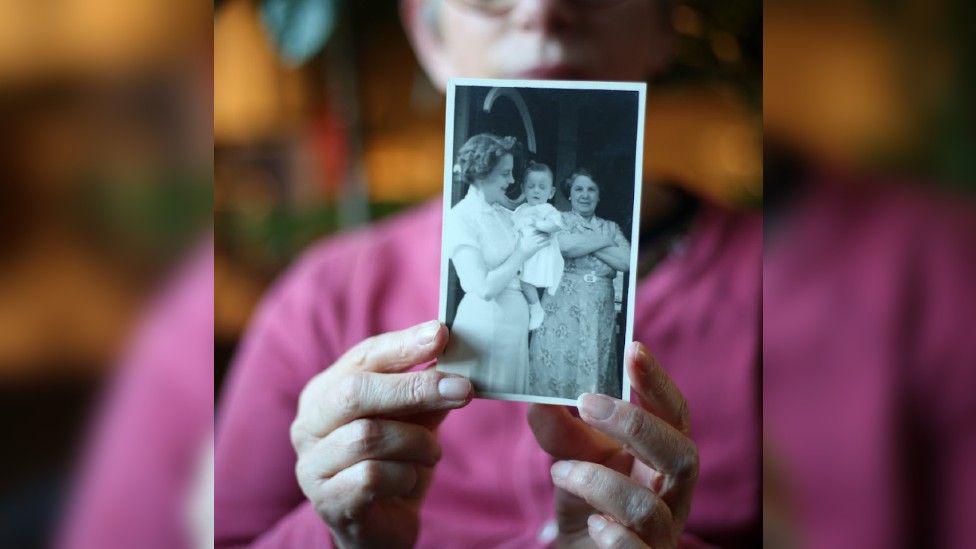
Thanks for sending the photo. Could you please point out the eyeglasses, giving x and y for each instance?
(499, 7)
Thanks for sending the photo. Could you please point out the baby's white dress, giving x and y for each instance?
(545, 268)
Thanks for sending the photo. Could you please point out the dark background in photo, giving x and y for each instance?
(592, 129)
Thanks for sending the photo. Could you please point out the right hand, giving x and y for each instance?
(548, 226)
(365, 435)
(531, 242)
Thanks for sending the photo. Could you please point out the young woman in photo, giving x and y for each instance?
(489, 336)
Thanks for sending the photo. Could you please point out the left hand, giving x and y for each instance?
(626, 473)
(531, 242)
(609, 233)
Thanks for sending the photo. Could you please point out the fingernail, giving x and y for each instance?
(428, 331)
(454, 388)
(560, 469)
(596, 406)
(639, 353)
(596, 523)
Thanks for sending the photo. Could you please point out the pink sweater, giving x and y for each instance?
(869, 405)
(699, 313)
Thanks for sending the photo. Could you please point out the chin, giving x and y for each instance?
(553, 72)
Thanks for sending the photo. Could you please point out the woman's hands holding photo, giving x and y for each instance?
(626, 473)
(365, 435)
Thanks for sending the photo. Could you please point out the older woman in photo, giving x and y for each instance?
(489, 337)
(574, 350)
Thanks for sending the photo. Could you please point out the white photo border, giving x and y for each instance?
(641, 89)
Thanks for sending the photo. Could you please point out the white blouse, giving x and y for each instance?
(488, 229)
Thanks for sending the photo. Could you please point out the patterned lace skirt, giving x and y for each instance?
(574, 351)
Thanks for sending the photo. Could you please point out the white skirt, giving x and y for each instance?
(489, 343)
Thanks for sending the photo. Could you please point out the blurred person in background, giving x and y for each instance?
(106, 280)
(869, 408)
(391, 457)
(143, 481)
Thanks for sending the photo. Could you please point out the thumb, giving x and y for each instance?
(565, 437)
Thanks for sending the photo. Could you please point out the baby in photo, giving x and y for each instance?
(545, 268)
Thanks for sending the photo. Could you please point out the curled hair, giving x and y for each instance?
(535, 167)
(568, 182)
(480, 154)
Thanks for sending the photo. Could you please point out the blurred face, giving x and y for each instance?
(555, 39)
(493, 186)
(538, 188)
(584, 196)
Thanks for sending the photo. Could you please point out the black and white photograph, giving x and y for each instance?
(541, 193)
